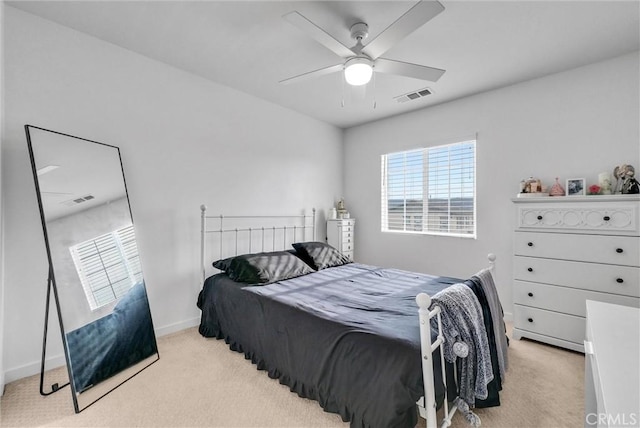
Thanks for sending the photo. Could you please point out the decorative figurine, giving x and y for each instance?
(631, 186)
(532, 185)
(341, 209)
(556, 189)
(625, 181)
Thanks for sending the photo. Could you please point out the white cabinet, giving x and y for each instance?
(568, 250)
(612, 373)
(340, 235)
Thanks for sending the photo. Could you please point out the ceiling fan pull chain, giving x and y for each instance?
(374, 91)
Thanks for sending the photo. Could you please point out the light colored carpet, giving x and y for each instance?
(201, 383)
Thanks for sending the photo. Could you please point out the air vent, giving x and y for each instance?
(72, 202)
(413, 95)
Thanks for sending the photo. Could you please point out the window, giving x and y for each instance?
(430, 190)
(108, 266)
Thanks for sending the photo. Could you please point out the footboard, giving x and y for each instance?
(427, 405)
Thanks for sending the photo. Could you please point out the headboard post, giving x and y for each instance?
(203, 228)
(313, 227)
(221, 229)
(492, 263)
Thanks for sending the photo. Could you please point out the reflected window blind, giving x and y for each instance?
(108, 266)
(430, 190)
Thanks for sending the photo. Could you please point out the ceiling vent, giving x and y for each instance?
(413, 95)
(72, 202)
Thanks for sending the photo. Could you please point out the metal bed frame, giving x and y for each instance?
(294, 224)
(427, 404)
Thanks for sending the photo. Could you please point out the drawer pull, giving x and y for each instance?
(530, 269)
(606, 218)
(530, 244)
(619, 250)
(530, 294)
(539, 217)
(530, 319)
(619, 280)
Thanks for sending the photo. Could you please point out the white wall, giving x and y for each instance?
(184, 141)
(572, 124)
(2, 310)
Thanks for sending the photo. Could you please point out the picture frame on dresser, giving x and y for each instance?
(575, 186)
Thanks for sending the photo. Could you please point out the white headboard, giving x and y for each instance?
(229, 235)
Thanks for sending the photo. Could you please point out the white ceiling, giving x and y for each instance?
(248, 46)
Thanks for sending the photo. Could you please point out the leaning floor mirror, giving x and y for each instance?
(94, 266)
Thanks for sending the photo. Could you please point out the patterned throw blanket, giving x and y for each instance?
(462, 321)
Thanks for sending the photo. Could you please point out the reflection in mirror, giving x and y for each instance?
(95, 268)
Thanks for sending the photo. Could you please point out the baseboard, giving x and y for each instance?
(33, 368)
(508, 317)
(59, 360)
(179, 326)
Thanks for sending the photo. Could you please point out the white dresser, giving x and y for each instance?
(340, 234)
(568, 250)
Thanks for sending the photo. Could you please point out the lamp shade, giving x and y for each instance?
(358, 71)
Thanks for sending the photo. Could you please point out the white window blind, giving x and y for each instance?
(108, 266)
(430, 190)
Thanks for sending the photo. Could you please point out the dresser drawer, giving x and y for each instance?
(619, 250)
(562, 299)
(624, 280)
(345, 246)
(548, 323)
(347, 236)
(604, 217)
(341, 235)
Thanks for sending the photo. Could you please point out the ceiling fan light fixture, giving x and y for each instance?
(358, 71)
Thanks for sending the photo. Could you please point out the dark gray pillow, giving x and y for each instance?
(263, 268)
(223, 264)
(319, 255)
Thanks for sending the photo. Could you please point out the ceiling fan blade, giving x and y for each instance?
(321, 36)
(312, 74)
(407, 69)
(413, 19)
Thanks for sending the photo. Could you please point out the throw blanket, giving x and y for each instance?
(489, 287)
(462, 321)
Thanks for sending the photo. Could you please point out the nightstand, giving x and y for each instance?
(340, 235)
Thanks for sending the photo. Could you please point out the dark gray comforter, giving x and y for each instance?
(346, 336)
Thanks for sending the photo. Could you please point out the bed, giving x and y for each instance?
(345, 334)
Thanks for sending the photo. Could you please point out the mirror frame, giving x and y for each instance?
(51, 284)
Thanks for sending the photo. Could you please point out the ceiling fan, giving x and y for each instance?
(360, 61)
